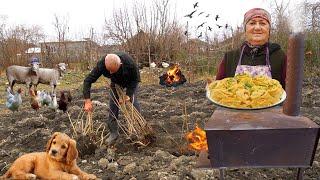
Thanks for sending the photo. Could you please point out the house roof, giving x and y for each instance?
(33, 50)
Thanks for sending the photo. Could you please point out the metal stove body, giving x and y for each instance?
(260, 139)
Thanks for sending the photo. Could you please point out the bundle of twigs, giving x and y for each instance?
(135, 127)
(86, 127)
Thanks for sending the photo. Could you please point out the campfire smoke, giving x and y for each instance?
(197, 139)
(173, 77)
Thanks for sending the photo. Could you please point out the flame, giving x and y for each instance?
(173, 74)
(197, 139)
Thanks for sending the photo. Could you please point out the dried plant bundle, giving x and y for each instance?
(87, 127)
(135, 127)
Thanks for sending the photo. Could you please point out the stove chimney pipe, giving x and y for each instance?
(294, 77)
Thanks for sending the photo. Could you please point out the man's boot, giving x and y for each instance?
(112, 138)
(114, 134)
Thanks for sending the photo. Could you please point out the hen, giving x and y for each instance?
(63, 102)
(53, 104)
(35, 99)
(45, 98)
(13, 101)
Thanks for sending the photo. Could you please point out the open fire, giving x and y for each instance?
(197, 139)
(173, 77)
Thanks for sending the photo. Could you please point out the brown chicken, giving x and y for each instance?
(63, 102)
(34, 100)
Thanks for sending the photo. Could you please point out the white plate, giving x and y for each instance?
(283, 97)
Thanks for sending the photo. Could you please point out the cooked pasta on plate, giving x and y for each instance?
(246, 92)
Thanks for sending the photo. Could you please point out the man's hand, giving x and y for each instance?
(125, 99)
(88, 105)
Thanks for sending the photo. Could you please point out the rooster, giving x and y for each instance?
(13, 101)
(35, 99)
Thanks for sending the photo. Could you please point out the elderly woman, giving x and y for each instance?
(256, 56)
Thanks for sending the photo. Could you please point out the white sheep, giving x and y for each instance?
(52, 76)
(23, 75)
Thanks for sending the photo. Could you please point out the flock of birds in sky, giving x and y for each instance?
(204, 24)
(39, 99)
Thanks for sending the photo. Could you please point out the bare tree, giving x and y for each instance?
(15, 41)
(61, 27)
(312, 11)
(281, 25)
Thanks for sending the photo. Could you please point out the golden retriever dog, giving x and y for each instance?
(58, 162)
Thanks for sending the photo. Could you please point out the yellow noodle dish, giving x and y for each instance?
(246, 92)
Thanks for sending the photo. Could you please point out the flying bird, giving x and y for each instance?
(226, 26)
(216, 18)
(190, 15)
(210, 29)
(200, 13)
(200, 35)
(195, 5)
(218, 26)
(207, 15)
(201, 25)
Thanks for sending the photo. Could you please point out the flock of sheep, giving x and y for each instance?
(32, 76)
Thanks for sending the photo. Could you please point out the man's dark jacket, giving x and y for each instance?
(127, 76)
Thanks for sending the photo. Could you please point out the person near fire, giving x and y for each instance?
(123, 71)
(256, 56)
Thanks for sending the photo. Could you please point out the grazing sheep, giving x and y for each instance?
(23, 75)
(51, 76)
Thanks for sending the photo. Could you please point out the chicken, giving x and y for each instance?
(45, 98)
(63, 102)
(13, 101)
(35, 99)
(53, 104)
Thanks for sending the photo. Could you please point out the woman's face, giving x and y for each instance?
(257, 31)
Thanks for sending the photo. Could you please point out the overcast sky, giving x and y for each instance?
(83, 14)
